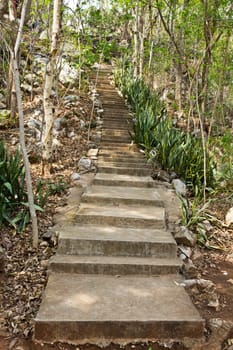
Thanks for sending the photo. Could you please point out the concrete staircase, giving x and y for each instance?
(114, 276)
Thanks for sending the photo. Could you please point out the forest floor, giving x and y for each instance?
(25, 274)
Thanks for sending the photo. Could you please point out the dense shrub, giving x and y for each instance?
(172, 148)
(12, 189)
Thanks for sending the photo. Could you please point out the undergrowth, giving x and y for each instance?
(14, 206)
(172, 148)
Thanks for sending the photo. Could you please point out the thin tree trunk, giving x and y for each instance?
(21, 126)
(28, 9)
(136, 41)
(49, 80)
(141, 41)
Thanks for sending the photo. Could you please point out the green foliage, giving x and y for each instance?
(14, 206)
(223, 152)
(12, 189)
(173, 149)
(196, 218)
(182, 153)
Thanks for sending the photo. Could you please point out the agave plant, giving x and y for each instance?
(153, 130)
(12, 188)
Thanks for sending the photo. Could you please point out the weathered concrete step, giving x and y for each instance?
(132, 153)
(116, 195)
(117, 113)
(118, 107)
(116, 133)
(123, 216)
(117, 119)
(113, 99)
(119, 150)
(121, 126)
(120, 164)
(80, 308)
(123, 160)
(116, 139)
(124, 180)
(116, 241)
(109, 121)
(113, 265)
(116, 110)
(124, 170)
(112, 126)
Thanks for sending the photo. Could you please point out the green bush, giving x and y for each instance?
(12, 188)
(173, 149)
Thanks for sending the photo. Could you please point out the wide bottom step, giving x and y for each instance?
(105, 308)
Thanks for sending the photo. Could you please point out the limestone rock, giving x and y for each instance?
(26, 87)
(44, 35)
(82, 124)
(180, 187)
(190, 270)
(34, 124)
(30, 77)
(75, 177)
(92, 152)
(84, 163)
(161, 175)
(185, 236)
(70, 98)
(229, 216)
(59, 123)
(68, 74)
(185, 252)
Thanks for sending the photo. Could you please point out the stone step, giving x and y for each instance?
(116, 241)
(116, 195)
(123, 160)
(112, 126)
(123, 216)
(115, 100)
(124, 180)
(115, 133)
(111, 123)
(115, 139)
(113, 265)
(121, 164)
(122, 114)
(117, 121)
(118, 107)
(124, 170)
(95, 309)
(132, 153)
(119, 150)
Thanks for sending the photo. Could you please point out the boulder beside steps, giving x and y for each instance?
(115, 277)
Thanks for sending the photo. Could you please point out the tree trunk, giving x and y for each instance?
(178, 84)
(136, 41)
(21, 126)
(141, 29)
(28, 9)
(206, 62)
(49, 80)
